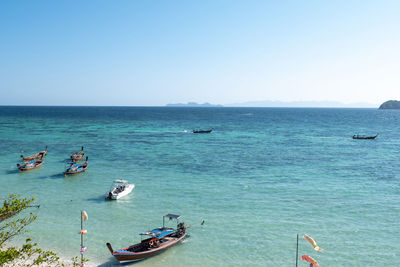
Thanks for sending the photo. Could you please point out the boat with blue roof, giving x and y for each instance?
(75, 168)
(153, 242)
(29, 165)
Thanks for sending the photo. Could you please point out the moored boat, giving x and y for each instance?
(29, 165)
(156, 241)
(202, 131)
(38, 155)
(357, 136)
(78, 156)
(75, 168)
(119, 188)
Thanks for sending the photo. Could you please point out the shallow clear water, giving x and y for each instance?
(262, 176)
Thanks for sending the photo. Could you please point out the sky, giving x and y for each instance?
(150, 53)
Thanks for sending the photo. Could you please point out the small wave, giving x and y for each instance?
(184, 131)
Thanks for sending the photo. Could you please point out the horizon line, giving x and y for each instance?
(184, 106)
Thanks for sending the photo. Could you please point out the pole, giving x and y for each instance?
(84, 217)
(297, 250)
(81, 239)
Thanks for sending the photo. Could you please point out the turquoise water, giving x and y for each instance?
(262, 176)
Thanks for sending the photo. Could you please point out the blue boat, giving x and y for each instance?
(75, 168)
(29, 165)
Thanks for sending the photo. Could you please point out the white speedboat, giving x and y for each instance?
(119, 188)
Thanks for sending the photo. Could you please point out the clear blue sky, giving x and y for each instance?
(158, 52)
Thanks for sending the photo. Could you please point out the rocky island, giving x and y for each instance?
(391, 104)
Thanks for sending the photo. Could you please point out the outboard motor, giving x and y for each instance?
(181, 228)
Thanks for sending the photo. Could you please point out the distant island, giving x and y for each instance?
(193, 104)
(391, 104)
(302, 104)
(281, 104)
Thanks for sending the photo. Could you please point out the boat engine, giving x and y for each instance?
(181, 228)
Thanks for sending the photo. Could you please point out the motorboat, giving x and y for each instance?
(119, 188)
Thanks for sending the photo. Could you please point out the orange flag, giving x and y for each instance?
(310, 260)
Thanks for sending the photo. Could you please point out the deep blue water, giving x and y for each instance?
(262, 176)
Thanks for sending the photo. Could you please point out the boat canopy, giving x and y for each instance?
(172, 216)
(159, 232)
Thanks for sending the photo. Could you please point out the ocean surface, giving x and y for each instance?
(260, 178)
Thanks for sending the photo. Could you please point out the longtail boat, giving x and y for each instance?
(78, 156)
(202, 131)
(75, 168)
(29, 165)
(38, 155)
(155, 241)
(357, 136)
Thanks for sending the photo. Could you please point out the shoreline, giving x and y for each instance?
(63, 260)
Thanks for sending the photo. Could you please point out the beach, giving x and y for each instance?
(260, 178)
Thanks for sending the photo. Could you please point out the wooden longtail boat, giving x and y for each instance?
(30, 165)
(38, 155)
(160, 239)
(357, 136)
(78, 156)
(202, 131)
(75, 168)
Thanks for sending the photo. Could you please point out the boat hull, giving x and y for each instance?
(23, 168)
(28, 169)
(77, 158)
(36, 156)
(77, 171)
(364, 137)
(124, 256)
(202, 131)
(126, 192)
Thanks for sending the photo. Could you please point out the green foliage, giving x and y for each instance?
(76, 261)
(28, 255)
(13, 205)
(10, 226)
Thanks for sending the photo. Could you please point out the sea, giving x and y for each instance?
(262, 177)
